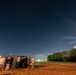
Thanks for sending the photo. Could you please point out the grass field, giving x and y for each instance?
(44, 68)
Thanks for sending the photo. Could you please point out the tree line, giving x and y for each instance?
(64, 56)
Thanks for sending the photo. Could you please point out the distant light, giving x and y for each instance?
(38, 60)
(10, 53)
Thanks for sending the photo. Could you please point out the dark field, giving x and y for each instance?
(44, 68)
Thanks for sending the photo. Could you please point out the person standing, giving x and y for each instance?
(32, 61)
(18, 62)
(28, 62)
(14, 63)
(8, 62)
(2, 61)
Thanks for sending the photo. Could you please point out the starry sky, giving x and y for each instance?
(37, 27)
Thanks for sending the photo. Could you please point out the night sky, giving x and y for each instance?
(37, 27)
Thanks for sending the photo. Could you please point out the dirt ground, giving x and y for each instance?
(44, 69)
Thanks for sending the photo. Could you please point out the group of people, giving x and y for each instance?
(10, 62)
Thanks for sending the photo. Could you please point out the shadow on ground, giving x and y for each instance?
(39, 65)
(9, 74)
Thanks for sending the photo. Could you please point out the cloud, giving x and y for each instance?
(74, 46)
(73, 42)
(70, 22)
(70, 38)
